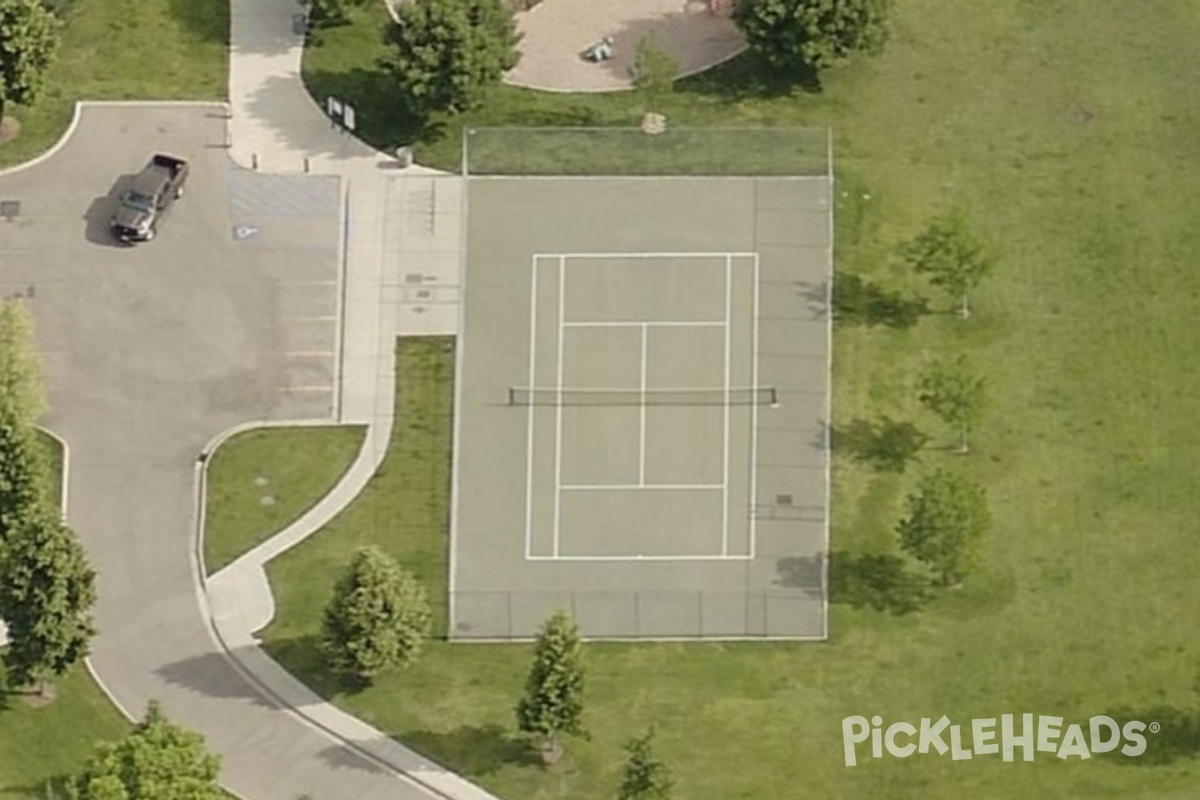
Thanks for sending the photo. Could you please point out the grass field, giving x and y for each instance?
(126, 50)
(261, 481)
(1068, 130)
(38, 744)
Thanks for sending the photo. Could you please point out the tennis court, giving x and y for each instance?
(642, 406)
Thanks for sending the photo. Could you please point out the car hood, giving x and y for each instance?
(135, 219)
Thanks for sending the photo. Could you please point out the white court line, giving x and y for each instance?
(642, 413)
(562, 297)
(643, 255)
(725, 433)
(307, 353)
(305, 389)
(641, 558)
(309, 283)
(631, 323)
(530, 421)
(310, 319)
(754, 416)
(600, 487)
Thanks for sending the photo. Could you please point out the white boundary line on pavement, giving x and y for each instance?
(533, 309)
(725, 415)
(643, 558)
(650, 323)
(558, 411)
(613, 487)
(754, 415)
(643, 325)
(645, 346)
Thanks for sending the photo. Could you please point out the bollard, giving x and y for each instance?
(254, 160)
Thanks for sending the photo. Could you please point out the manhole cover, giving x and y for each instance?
(10, 209)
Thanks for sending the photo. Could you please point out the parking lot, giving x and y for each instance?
(235, 302)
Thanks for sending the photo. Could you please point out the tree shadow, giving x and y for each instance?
(208, 22)
(474, 750)
(887, 445)
(303, 657)
(378, 103)
(858, 301)
(879, 581)
(749, 77)
(1178, 737)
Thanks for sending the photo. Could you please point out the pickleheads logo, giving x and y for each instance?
(1046, 735)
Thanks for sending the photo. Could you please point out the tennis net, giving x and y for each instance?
(734, 396)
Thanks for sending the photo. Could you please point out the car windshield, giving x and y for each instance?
(138, 201)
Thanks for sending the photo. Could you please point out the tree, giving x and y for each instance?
(158, 760)
(449, 52)
(951, 390)
(24, 475)
(949, 253)
(646, 778)
(553, 701)
(947, 519)
(29, 38)
(796, 35)
(378, 618)
(47, 589)
(654, 69)
(333, 12)
(22, 385)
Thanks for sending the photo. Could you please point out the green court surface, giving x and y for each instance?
(642, 407)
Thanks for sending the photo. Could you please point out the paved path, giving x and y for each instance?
(556, 32)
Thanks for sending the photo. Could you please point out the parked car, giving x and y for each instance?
(152, 192)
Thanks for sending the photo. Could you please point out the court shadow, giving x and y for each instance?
(887, 445)
(879, 581)
(858, 301)
(1178, 737)
(474, 750)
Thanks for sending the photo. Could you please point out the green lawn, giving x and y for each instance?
(261, 481)
(54, 458)
(404, 507)
(38, 744)
(1068, 129)
(127, 50)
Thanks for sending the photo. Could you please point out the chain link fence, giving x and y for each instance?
(793, 614)
(616, 152)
